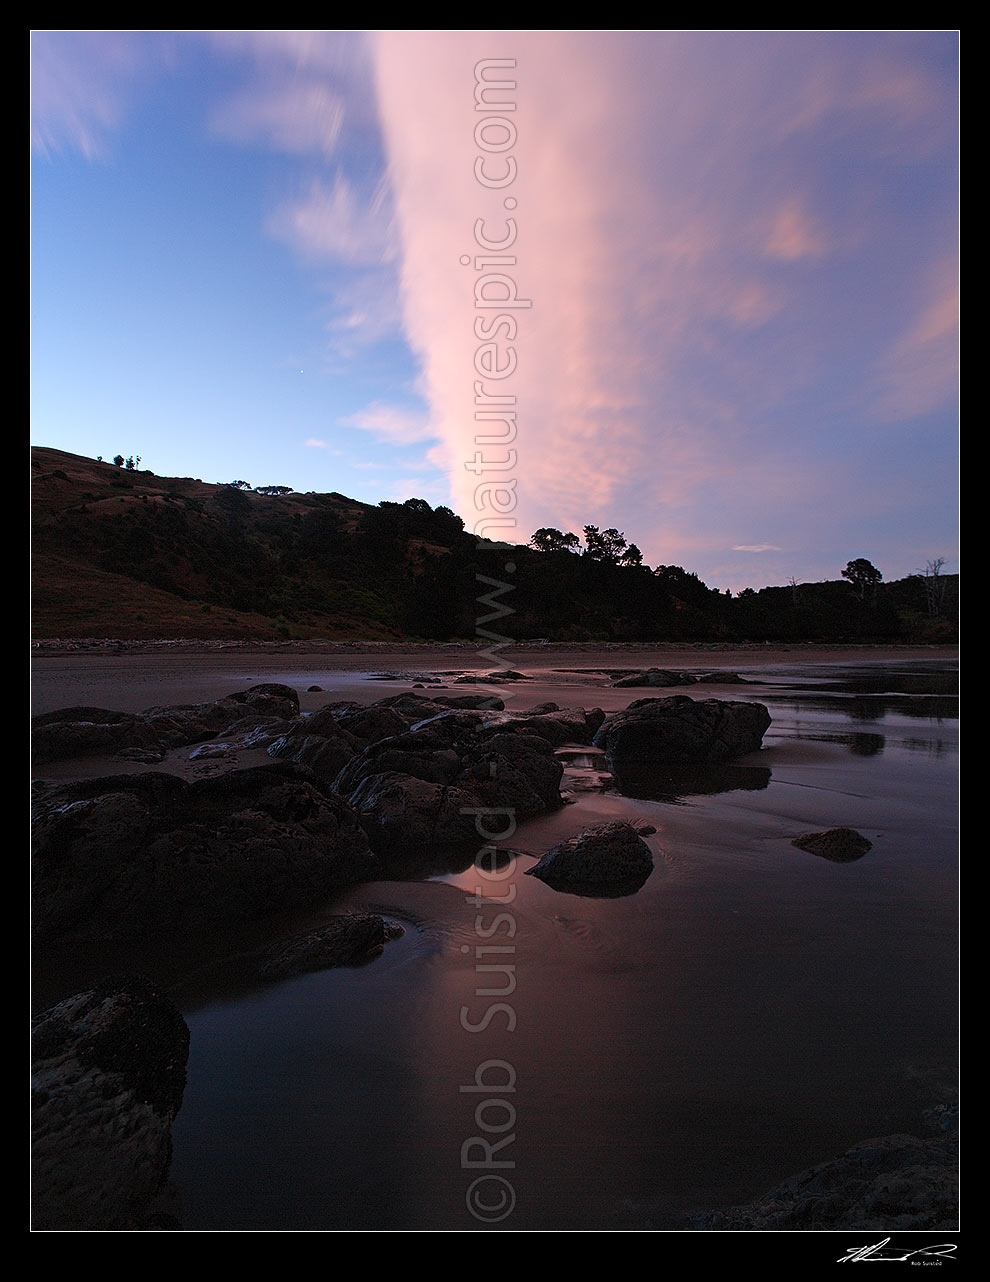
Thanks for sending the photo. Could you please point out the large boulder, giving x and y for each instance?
(108, 1074)
(653, 736)
(129, 855)
(611, 858)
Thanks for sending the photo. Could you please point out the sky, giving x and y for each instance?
(697, 286)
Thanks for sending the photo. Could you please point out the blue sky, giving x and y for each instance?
(725, 319)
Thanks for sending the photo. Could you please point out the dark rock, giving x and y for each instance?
(655, 677)
(326, 755)
(569, 726)
(369, 725)
(74, 732)
(652, 735)
(144, 756)
(610, 858)
(270, 699)
(894, 1183)
(485, 702)
(404, 816)
(140, 854)
(314, 689)
(841, 845)
(108, 1075)
(516, 772)
(348, 940)
(211, 750)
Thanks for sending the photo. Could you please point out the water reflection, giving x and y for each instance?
(859, 743)
(870, 694)
(593, 890)
(677, 785)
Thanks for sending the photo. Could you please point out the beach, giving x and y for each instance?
(528, 1059)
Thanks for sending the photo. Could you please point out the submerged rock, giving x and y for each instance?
(347, 940)
(609, 858)
(841, 845)
(108, 1074)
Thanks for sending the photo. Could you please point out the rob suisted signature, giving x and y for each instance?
(881, 1251)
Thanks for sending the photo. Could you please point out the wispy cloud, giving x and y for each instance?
(393, 424)
(756, 547)
(919, 372)
(296, 117)
(82, 83)
(332, 220)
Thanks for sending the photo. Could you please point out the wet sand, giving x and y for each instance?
(149, 675)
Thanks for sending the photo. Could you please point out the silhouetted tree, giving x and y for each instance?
(934, 586)
(548, 539)
(863, 575)
(603, 545)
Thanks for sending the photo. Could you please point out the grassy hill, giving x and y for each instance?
(129, 554)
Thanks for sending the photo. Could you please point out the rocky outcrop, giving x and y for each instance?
(126, 855)
(426, 787)
(108, 1074)
(657, 735)
(611, 858)
(74, 732)
(840, 845)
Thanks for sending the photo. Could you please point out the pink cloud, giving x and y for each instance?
(657, 331)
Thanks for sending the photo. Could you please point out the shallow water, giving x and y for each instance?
(523, 1059)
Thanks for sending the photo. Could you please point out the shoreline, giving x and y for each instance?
(135, 676)
(57, 647)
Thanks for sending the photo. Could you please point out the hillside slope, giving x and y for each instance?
(122, 553)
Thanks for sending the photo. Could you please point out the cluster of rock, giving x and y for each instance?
(349, 789)
(352, 794)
